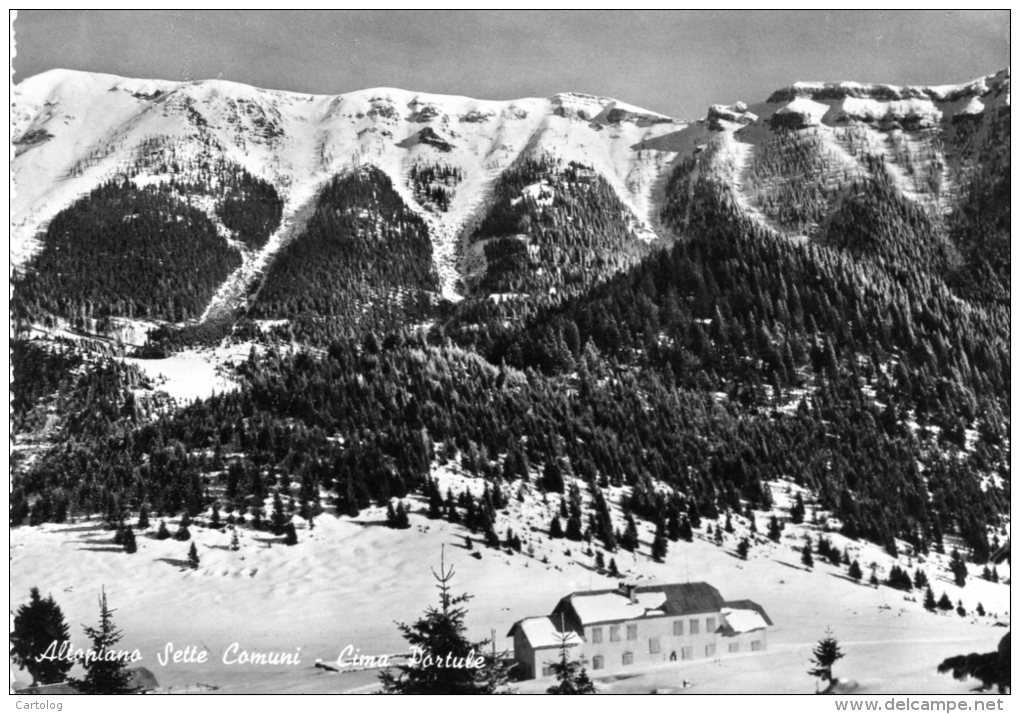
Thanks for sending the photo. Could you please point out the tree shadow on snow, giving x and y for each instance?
(176, 562)
(794, 567)
(840, 576)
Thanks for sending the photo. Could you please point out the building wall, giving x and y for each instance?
(530, 661)
(698, 641)
(745, 642)
(690, 646)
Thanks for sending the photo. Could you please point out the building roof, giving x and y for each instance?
(649, 601)
(749, 605)
(544, 632)
(737, 621)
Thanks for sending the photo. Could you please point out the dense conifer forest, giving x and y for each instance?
(364, 258)
(869, 363)
(148, 252)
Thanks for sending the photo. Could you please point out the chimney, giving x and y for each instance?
(628, 590)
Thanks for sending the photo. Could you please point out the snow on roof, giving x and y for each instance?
(542, 632)
(743, 620)
(606, 606)
(649, 601)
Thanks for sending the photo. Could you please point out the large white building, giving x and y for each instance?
(630, 627)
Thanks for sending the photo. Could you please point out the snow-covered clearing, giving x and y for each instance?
(349, 579)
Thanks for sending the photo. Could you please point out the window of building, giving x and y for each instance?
(678, 628)
(710, 625)
(614, 633)
(694, 627)
(734, 646)
(596, 635)
(686, 653)
(547, 671)
(628, 658)
(598, 662)
(756, 645)
(709, 650)
(653, 645)
(631, 632)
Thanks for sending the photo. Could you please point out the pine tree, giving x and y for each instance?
(826, 654)
(439, 636)
(552, 477)
(855, 571)
(193, 561)
(143, 518)
(742, 548)
(571, 676)
(797, 510)
(659, 544)
(614, 572)
(980, 610)
(290, 533)
(555, 529)
(960, 609)
(929, 600)
(805, 556)
(235, 541)
(686, 532)
(214, 520)
(106, 670)
(38, 626)
(278, 519)
(183, 532)
(920, 579)
(402, 520)
(162, 533)
(775, 529)
(945, 604)
(128, 541)
(573, 531)
(629, 539)
(600, 561)
(958, 568)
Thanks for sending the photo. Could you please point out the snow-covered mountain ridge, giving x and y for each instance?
(74, 130)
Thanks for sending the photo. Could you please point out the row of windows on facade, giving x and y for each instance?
(632, 633)
(599, 661)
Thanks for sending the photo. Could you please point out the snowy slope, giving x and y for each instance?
(922, 138)
(348, 579)
(74, 130)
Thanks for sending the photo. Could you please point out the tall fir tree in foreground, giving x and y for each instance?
(571, 676)
(38, 626)
(826, 654)
(446, 654)
(105, 671)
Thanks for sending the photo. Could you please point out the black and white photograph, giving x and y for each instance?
(511, 352)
